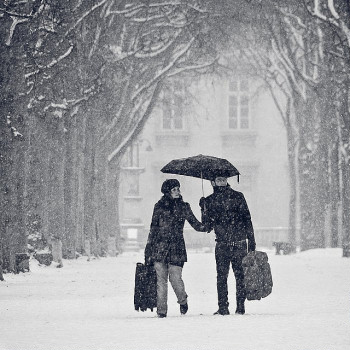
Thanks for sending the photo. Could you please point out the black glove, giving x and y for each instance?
(208, 228)
(202, 202)
(148, 261)
(148, 254)
(251, 246)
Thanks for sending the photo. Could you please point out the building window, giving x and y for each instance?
(132, 156)
(131, 170)
(238, 101)
(173, 99)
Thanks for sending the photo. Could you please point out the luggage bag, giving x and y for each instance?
(257, 275)
(145, 293)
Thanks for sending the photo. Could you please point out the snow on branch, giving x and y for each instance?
(128, 11)
(194, 67)
(335, 20)
(147, 19)
(163, 71)
(289, 70)
(155, 51)
(15, 22)
(136, 125)
(332, 9)
(68, 104)
(14, 131)
(296, 18)
(194, 7)
(316, 12)
(15, 14)
(87, 13)
(52, 105)
(60, 58)
(28, 75)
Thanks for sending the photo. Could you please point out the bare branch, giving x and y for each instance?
(87, 13)
(144, 116)
(15, 14)
(15, 21)
(57, 60)
(193, 67)
(163, 71)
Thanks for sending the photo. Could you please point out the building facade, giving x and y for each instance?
(232, 118)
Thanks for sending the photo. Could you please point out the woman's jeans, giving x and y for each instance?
(175, 277)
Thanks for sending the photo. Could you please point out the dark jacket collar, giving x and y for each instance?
(222, 189)
(169, 203)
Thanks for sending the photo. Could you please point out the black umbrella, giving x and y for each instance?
(201, 166)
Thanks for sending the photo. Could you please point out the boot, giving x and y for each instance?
(222, 312)
(183, 309)
(240, 306)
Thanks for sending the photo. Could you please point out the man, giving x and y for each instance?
(226, 212)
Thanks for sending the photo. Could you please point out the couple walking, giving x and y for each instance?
(226, 212)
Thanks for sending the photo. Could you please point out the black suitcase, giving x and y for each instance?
(257, 275)
(145, 293)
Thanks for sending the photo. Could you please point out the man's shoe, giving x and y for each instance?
(240, 307)
(240, 311)
(161, 315)
(183, 309)
(222, 312)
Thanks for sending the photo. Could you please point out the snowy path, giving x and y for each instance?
(89, 305)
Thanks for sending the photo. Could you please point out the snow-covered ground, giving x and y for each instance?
(89, 305)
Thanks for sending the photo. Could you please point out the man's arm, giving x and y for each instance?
(248, 225)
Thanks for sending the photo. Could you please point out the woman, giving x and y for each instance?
(166, 245)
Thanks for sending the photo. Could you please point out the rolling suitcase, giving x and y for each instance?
(145, 293)
(257, 275)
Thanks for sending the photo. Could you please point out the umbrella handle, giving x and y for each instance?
(203, 189)
(202, 183)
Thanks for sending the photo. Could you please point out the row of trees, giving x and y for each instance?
(301, 49)
(78, 81)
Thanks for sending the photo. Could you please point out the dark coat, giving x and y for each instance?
(166, 241)
(226, 211)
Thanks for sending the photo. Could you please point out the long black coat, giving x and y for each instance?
(166, 241)
(226, 211)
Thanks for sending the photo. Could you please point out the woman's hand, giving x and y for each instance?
(202, 203)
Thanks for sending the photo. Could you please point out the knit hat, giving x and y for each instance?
(169, 184)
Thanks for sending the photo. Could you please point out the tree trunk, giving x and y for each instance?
(113, 205)
(89, 183)
(346, 213)
(334, 179)
(56, 181)
(345, 174)
(101, 201)
(293, 194)
(70, 194)
(311, 180)
(79, 182)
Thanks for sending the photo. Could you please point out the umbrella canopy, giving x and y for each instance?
(201, 166)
